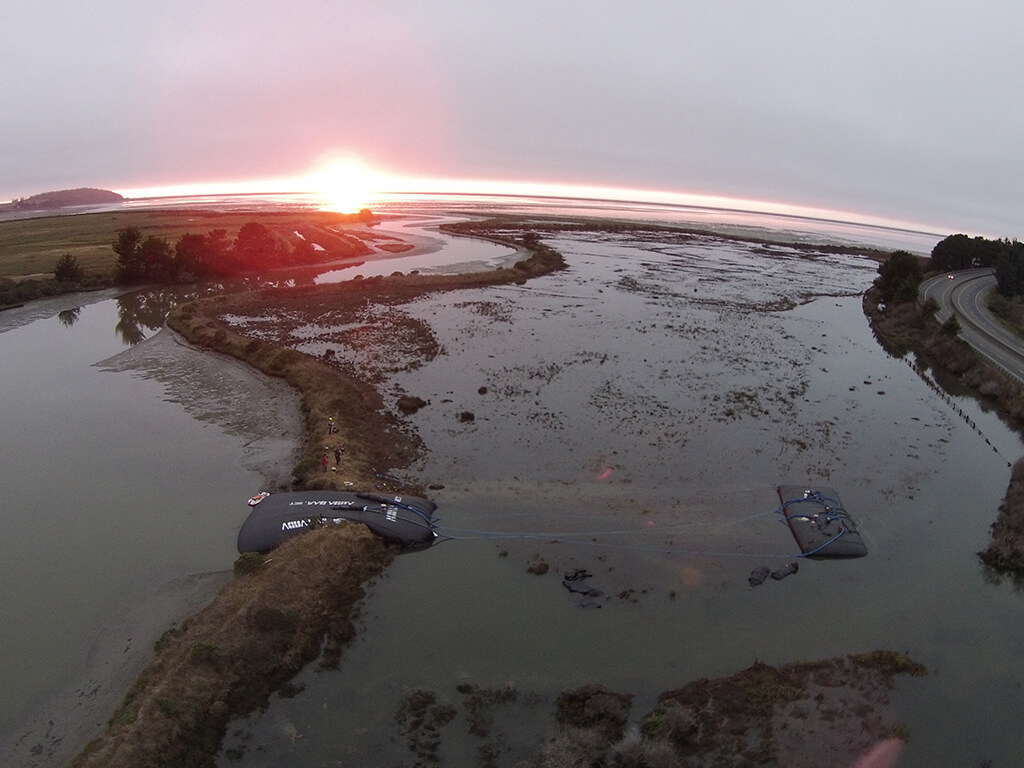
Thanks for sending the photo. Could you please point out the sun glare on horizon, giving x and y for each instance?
(344, 186)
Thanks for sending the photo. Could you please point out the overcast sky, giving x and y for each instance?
(908, 110)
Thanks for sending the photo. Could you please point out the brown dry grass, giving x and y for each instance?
(252, 639)
(1006, 550)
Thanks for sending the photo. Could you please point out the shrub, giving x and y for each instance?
(165, 639)
(305, 467)
(204, 653)
(898, 277)
(67, 269)
(166, 706)
(248, 562)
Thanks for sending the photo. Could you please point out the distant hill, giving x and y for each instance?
(64, 198)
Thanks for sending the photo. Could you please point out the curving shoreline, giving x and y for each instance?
(210, 332)
(908, 327)
(64, 721)
(249, 640)
(325, 391)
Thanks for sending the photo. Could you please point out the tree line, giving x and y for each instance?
(1004, 256)
(152, 259)
(900, 274)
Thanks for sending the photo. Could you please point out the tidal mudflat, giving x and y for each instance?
(627, 418)
(630, 417)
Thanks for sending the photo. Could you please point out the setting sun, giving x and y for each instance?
(345, 186)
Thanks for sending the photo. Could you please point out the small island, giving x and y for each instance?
(64, 198)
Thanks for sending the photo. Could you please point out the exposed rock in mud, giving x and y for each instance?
(578, 583)
(538, 568)
(409, 404)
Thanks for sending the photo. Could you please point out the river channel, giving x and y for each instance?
(632, 416)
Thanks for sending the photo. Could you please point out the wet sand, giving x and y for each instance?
(262, 412)
(70, 718)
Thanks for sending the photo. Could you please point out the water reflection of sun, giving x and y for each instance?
(344, 186)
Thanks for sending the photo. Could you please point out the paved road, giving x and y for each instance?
(964, 296)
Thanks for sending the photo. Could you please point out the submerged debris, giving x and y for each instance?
(576, 582)
(786, 570)
(420, 717)
(758, 575)
(538, 568)
(410, 404)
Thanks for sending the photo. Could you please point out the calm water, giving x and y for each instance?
(652, 396)
(112, 489)
(655, 389)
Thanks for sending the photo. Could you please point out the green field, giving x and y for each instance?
(32, 246)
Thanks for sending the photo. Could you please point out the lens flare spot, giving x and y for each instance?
(691, 577)
(883, 755)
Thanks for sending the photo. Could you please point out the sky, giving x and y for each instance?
(909, 112)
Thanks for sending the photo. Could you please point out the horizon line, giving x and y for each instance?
(391, 186)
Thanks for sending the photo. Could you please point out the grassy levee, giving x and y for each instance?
(264, 626)
(324, 392)
(375, 440)
(286, 610)
(1005, 552)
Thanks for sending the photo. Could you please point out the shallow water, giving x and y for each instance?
(439, 252)
(652, 396)
(112, 488)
